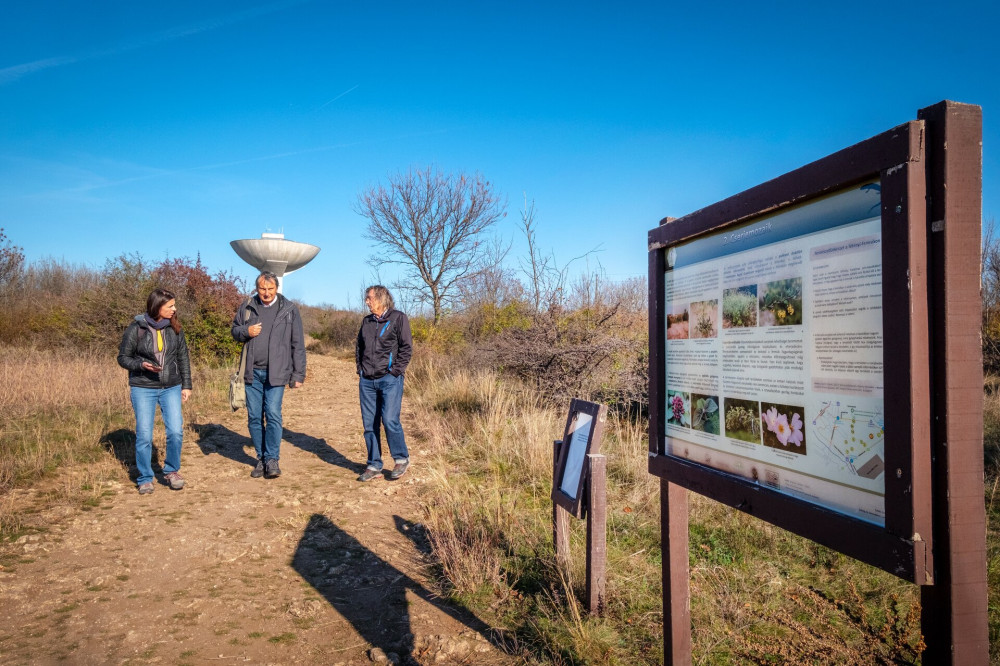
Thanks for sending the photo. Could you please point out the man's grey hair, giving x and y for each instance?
(381, 295)
(266, 276)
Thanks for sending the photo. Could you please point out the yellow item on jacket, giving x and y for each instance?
(159, 340)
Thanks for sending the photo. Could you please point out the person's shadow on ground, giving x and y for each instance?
(121, 444)
(215, 438)
(322, 450)
(366, 590)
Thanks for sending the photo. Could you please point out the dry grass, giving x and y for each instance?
(57, 406)
(33, 380)
(489, 516)
(991, 445)
(67, 428)
(759, 594)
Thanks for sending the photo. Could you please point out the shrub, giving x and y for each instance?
(595, 353)
(447, 336)
(207, 305)
(334, 329)
(55, 304)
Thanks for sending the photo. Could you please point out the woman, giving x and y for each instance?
(155, 353)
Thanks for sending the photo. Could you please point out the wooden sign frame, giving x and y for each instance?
(574, 451)
(895, 159)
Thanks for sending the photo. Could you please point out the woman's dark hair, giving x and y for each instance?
(157, 299)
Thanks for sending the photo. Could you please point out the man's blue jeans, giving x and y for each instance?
(144, 402)
(381, 401)
(264, 415)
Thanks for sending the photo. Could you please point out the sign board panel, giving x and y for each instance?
(788, 352)
(774, 352)
(582, 436)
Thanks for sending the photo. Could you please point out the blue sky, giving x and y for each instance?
(170, 129)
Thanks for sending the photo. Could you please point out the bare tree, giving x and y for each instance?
(11, 262)
(433, 225)
(493, 282)
(991, 297)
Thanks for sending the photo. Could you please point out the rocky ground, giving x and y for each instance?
(310, 568)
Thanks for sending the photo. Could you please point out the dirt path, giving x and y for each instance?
(311, 568)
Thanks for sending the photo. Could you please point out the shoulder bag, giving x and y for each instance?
(237, 385)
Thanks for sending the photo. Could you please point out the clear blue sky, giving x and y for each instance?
(170, 129)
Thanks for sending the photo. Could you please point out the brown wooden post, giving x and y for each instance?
(560, 516)
(676, 589)
(597, 528)
(954, 608)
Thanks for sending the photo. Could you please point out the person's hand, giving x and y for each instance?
(295, 385)
(185, 394)
(254, 330)
(146, 365)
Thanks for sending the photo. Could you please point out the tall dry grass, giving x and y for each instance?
(489, 515)
(991, 445)
(66, 422)
(759, 594)
(54, 403)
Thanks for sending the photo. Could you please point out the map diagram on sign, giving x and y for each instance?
(851, 437)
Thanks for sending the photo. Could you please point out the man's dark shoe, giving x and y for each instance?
(258, 471)
(271, 470)
(369, 474)
(399, 470)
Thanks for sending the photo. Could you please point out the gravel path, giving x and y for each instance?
(311, 568)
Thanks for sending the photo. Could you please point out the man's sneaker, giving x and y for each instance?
(175, 480)
(146, 489)
(258, 471)
(399, 470)
(369, 474)
(271, 469)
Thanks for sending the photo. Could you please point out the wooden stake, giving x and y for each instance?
(597, 520)
(560, 516)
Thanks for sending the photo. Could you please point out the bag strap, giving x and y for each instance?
(243, 352)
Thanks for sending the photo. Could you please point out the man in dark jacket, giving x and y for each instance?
(383, 351)
(271, 327)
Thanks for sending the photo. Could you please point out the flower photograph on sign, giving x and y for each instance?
(781, 302)
(677, 322)
(705, 319)
(783, 427)
(739, 307)
(742, 419)
(705, 413)
(679, 408)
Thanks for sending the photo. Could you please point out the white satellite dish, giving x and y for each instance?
(275, 253)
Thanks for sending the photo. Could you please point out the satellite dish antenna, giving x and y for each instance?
(275, 253)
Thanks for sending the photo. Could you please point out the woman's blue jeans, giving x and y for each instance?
(381, 401)
(264, 415)
(144, 402)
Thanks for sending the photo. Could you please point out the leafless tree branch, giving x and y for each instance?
(433, 225)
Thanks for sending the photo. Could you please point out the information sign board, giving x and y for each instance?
(582, 436)
(774, 352)
(788, 372)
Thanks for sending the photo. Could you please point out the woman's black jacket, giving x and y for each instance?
(138, 345)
